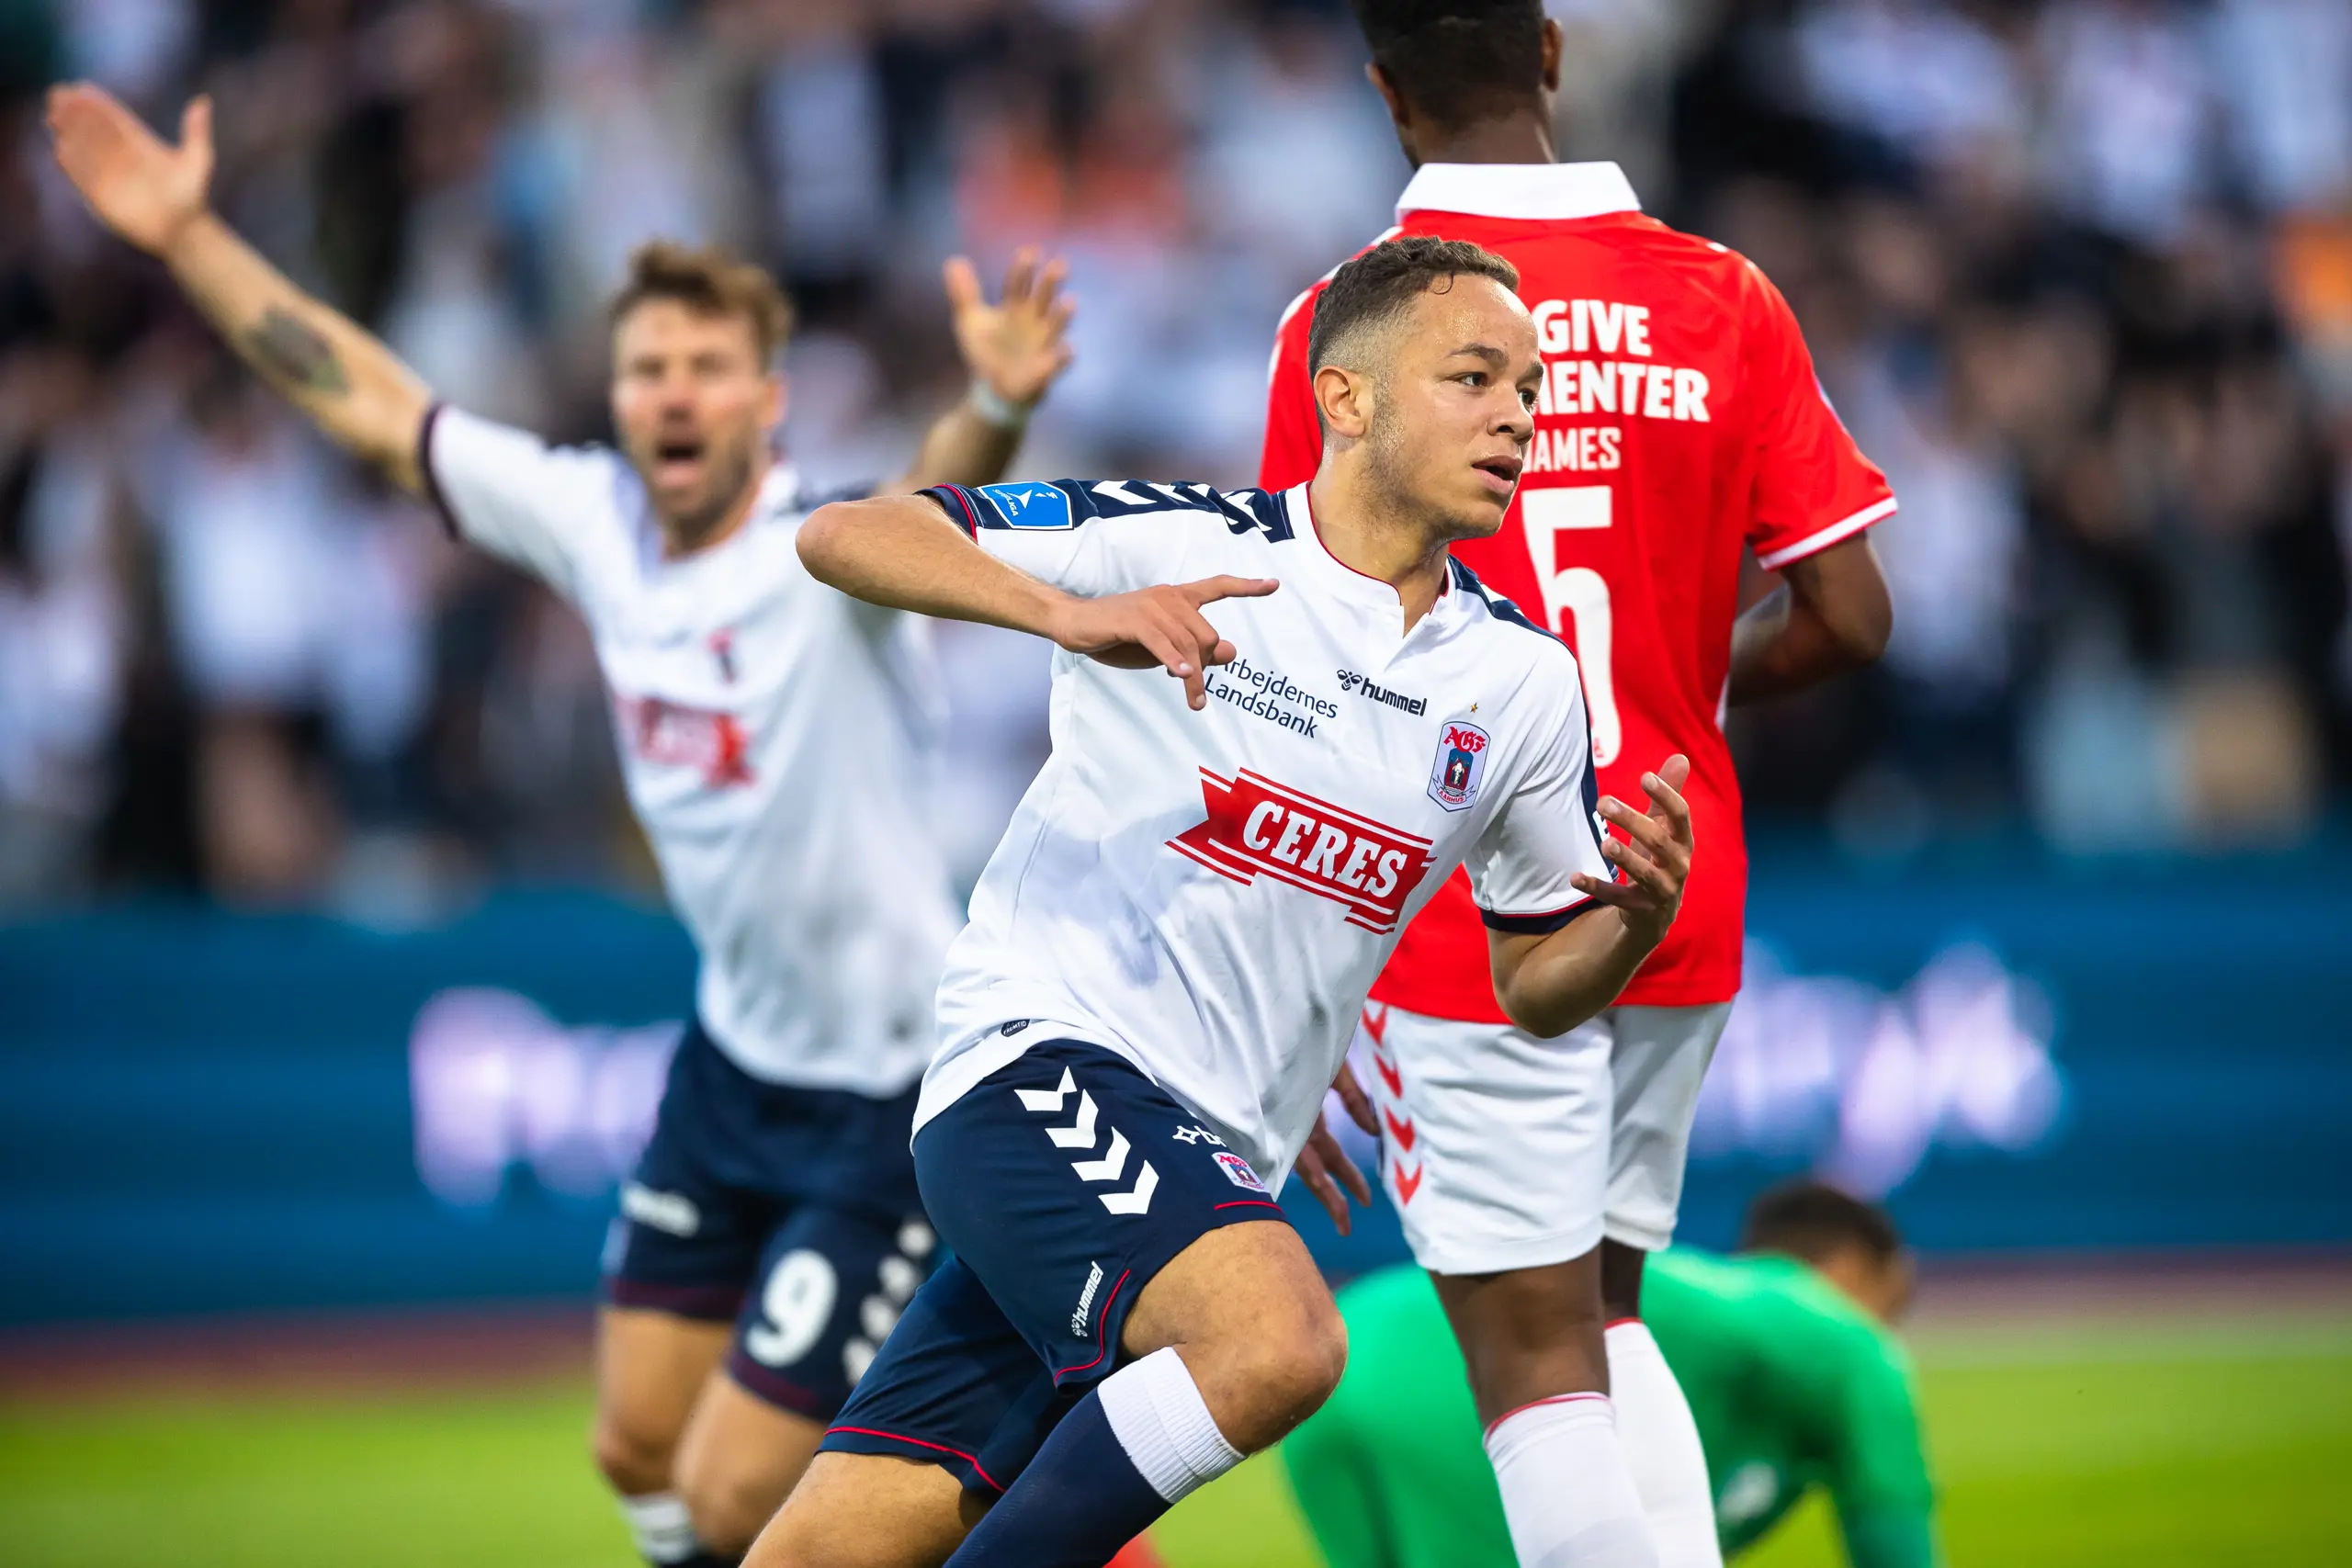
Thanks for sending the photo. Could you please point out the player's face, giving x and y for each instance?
(693, 405)
(1449, 428)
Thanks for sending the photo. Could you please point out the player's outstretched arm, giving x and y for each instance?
(902, 552)
(153, 194)
(1830, 615)
(1014, 349)
(1550, 984)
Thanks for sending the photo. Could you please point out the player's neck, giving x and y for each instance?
(1366, 532)
(687, 536)
(1524, 136)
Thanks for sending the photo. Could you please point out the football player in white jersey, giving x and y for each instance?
(773, 1231)
(1168, 949)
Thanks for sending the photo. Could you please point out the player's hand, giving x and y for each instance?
(1161, 625)
(142, 189)
(1320, 1162)
(1016, 347)
(1654, 854)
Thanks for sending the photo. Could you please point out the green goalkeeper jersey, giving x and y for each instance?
(1791, 1384)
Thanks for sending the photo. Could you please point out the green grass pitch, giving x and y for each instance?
(2142, 1446)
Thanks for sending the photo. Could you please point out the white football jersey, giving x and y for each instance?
(767, 730)
(1210, 894)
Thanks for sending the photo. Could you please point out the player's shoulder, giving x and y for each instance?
(1518, 636)
(1061, 505)
(582, 487)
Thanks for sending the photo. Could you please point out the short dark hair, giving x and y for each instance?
(1812, 1220)
(1383, 282)
(1455, 60)
(711, 281)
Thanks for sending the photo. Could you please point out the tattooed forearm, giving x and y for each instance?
(296, 353)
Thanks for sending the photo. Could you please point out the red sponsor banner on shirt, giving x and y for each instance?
(678, 735)
(1257, 826)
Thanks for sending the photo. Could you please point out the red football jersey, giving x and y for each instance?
(1679, 423)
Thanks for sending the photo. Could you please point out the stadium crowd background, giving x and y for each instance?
(2078, 273)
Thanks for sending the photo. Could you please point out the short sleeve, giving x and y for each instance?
(1547, 829)
(1293, 445)
(514, 495)
(1097, 537)
(1813, 485)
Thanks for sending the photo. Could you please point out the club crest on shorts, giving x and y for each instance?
(1236, 1170)
(1461, 764)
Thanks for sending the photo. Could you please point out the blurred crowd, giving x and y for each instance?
(2078, 273)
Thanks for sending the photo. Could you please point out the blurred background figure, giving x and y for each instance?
(2078, 268)
(2050, 910)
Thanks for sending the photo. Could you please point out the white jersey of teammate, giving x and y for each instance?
(765, 726)
(1209, 894)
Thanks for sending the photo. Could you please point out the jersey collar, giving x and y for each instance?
(1525, 191)
(1336, 576)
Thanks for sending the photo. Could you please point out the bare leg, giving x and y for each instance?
(1621, 1279)
(737, 1460)
(1247, 1311)
(868, 1511)
(1539, 1370)
(1529, 1333)
(651, 1370)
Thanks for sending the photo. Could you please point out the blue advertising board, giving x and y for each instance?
(205, 1112)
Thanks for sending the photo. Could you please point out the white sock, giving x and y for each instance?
(658, 1521)
(1156, 1412)
(1567, 1495)
(1661, 1445)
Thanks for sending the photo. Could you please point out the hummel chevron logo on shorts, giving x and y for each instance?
(1079, 1134)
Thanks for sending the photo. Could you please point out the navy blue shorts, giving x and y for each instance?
(792, 1212)
(1061, 1184)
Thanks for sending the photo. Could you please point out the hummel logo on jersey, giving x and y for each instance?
(1196, 1134)
(1350, 681)
(1081, 1135)
(1461, 764)
(1257, 826)
(1030, 505)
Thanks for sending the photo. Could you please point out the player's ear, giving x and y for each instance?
(1552, 45)
(1398, 110)
(779, 402)
(1344, 400)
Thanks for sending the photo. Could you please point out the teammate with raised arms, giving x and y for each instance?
(773, 1229)
(1677, 426)
(1168, 949)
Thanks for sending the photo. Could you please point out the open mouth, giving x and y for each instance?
(675, 457)
(1503, 471)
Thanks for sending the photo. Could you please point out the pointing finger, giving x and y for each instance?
(1208, 589)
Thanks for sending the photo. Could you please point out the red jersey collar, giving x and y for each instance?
(1526, 191)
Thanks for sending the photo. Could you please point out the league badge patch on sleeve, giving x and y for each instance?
(1461, 764)
(1030, 505)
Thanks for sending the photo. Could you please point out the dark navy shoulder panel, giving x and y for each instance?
(1500, 604)
(1073, 504)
